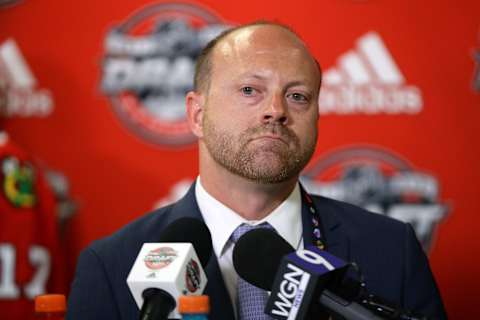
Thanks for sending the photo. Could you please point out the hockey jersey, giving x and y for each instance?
(31, 259)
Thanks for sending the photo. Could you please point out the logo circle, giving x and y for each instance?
(149, 65)
(382, 182)
(160, 258)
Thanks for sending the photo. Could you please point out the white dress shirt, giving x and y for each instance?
(222, 221)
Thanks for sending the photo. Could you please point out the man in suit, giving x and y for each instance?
(254, 109)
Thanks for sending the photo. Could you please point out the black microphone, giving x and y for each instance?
(293, 282)
(193, 231)
(172, 267)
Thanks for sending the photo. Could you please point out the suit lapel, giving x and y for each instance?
(337, 242)
(220, 304)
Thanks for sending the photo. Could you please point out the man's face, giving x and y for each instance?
(261, 109)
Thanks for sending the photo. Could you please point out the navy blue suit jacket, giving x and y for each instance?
(387, 251)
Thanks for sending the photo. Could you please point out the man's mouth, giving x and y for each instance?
(272, 137)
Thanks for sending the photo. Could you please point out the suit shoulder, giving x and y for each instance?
(131, 236)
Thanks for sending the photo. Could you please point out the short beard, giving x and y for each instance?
(235, 155)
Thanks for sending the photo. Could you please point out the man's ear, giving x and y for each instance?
(195, 107)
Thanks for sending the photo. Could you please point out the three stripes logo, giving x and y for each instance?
(366, 80)
(20, 97)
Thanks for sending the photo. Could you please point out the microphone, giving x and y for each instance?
(294, 278)
(172, 267)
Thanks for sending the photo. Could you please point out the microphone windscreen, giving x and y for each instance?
(192, 231)
(257, 255)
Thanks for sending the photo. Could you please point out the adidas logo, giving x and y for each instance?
(366, 80)
(17, 84)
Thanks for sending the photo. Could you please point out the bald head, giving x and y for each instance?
(230, 42)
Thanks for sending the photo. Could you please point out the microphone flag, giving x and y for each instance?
(301, 276)
(172, 267)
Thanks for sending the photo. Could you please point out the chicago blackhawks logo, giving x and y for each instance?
(18, 182)
(160, 258)
(149, 65)
(380, 182)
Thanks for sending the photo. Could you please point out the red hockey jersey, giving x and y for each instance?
(31, 261)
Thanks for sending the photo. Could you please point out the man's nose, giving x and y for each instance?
(276, 111)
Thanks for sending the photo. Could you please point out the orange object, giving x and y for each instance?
(194, 304)
(51, 306)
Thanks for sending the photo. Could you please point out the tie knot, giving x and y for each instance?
(244, 228)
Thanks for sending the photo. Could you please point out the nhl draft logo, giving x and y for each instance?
(160, 258)
(367, 80)
(149, 65)
(381, 182)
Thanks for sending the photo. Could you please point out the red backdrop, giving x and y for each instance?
(401, 105)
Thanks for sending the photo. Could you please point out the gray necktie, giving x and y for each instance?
(251, 300)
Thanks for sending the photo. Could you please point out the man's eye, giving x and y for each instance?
(248, 91)
(298, 97)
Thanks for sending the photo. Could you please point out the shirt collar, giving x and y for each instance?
(222, 221)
